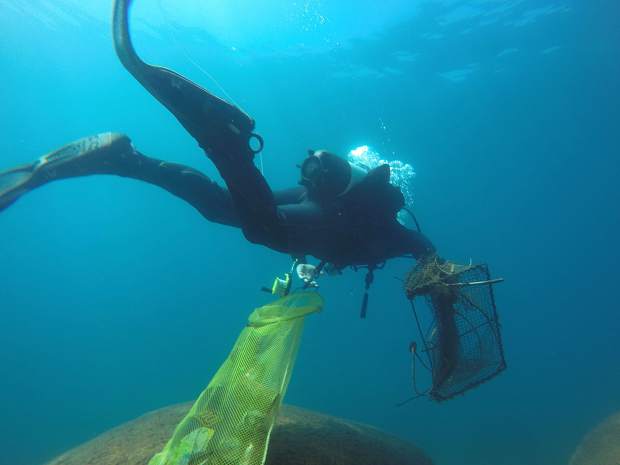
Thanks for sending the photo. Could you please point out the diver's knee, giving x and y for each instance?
(272, 237)
(254, 236)
(262, 235)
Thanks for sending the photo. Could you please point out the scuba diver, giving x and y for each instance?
(339, 213)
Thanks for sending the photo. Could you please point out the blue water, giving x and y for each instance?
(116, 298)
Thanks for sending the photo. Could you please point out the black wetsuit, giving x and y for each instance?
(358, 228)
(355, 229)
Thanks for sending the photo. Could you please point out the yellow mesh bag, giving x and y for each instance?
(231, 421)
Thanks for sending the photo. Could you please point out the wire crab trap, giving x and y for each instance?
(462, 347)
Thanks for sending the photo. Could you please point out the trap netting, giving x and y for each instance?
(463, 346)
(231, 421)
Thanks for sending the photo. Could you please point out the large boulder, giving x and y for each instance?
(601, 446)
(300, 437)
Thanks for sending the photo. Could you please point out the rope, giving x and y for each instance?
(413, 217)
(418, 394)
(189, 58)
(426, 349)
(416, 356)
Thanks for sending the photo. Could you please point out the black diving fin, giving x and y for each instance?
(216, 124)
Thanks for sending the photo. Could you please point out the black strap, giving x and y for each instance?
(370, 277)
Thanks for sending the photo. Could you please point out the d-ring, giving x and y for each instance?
(259, 139)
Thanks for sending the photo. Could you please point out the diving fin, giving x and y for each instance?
(90, 155)
(217, 125)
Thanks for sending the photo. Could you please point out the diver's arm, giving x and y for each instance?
(290, 196)
(114, 154)
(211, 200)
(407, 241)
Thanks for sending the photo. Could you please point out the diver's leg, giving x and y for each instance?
(211, 200)
(214, 123)
(405, 241)
(111, 153)
(253, 199)
(221, 129)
